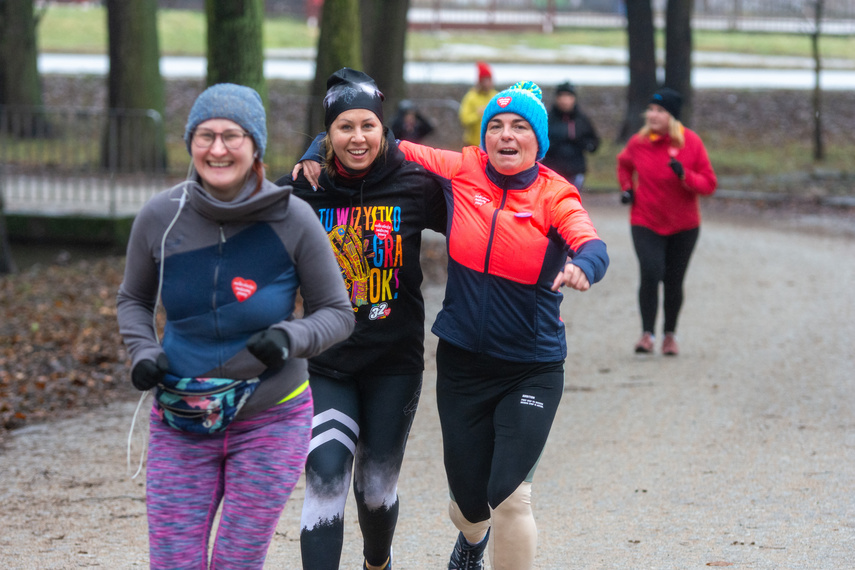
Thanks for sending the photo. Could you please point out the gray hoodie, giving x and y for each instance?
(229, 270)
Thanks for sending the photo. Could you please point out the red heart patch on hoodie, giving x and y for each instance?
(382, 229)
(503, 101)
(243, 288)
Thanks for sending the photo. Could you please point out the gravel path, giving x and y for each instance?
(740, 452)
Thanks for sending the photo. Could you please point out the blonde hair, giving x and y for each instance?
(329, 157)
(675, 131)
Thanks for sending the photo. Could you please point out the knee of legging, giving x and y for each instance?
(473, 531)
(376, 484)
(329, 462)
(651, 278)
(515, 506)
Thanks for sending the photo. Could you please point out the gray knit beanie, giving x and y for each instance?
(234, 102)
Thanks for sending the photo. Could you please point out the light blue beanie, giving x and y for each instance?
(234, 102)
(526, 100)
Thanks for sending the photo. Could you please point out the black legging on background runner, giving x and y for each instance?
(495, 417)
(369, 416)
(662, 259)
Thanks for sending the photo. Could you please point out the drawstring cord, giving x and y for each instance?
(181, 202)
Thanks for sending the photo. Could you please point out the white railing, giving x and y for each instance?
(54, 161)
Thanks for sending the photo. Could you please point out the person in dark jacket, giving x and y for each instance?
(409, 124)
(571, 135)
(374, 206)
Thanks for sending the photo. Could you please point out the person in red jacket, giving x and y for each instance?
(663, 170)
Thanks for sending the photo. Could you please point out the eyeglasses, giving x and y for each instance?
(232, 138)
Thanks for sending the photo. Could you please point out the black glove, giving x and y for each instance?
(270, 346)
(677, 167)
(627, 196)
(147, 373)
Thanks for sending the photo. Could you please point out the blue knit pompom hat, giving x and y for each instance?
(526, 100)
(234, 102)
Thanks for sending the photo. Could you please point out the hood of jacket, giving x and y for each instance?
(268, 204)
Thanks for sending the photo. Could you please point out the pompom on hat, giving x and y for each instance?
(237, 103)
(524, 99)
(668, 99)
(351, 89)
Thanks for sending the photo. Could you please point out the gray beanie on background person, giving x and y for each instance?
(237, 103)
(565, 87)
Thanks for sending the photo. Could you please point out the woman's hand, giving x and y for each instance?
(677, 167)
(311, 170)
(572, 276)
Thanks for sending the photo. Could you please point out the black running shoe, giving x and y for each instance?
(466, 556)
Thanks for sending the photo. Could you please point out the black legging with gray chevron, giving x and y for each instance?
(366, 418)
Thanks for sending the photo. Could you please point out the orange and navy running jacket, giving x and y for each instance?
(508, 238)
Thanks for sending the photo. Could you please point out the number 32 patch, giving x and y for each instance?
(379, 311)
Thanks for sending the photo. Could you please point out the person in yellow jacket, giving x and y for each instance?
(473, 103)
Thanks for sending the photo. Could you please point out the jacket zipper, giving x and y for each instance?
(488, 254)
(217, 267)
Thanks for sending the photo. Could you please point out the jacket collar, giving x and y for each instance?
(517, 181)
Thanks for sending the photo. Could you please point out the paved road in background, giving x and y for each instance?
(546, 67)
(739, 452)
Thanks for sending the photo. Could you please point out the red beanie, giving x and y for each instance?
(484, 70)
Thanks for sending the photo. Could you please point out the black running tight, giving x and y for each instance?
(360, 426)
(495, 417)
(662, 259)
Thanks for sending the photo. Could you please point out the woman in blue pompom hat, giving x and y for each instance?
(516, 234)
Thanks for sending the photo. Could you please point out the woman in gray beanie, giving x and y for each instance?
(225, 253)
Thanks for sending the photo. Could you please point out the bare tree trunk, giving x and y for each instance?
(338, 46)
(7, 263)
(642, 64)
(678, 52)
(818, 146)
(384, 38)
(20, 84)
(134, 139)
(236, 43)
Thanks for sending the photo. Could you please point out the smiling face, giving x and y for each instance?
(355, 136)
(223, 170)
(510, 143)
(657, 118)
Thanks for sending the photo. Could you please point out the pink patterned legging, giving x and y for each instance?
(251, 468)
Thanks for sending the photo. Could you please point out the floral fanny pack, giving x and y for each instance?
(202, 405)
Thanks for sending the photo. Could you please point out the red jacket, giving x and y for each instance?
(508, 237)
(663, 203)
